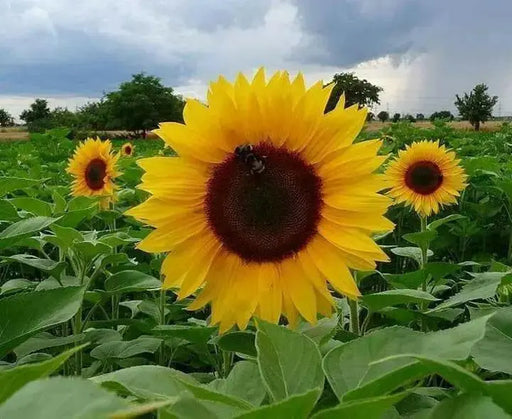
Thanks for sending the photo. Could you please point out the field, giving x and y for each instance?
(87, 332)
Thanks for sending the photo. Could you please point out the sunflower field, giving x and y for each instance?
(265, 260)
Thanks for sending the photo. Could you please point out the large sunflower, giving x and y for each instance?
(268, 201)
(127, 149)
(426, 176)
(93, 167)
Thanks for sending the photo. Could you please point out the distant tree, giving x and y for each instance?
(420, 117)
(396, 117)
(38, 110)
(93, 116)
(6, 120)
(370, 116)
(410, 118)
(442, 115)
(356, 90)
(63, 117)
(476, 106)
(141, 103)
(383, 116)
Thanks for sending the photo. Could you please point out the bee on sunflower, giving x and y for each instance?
(426, 176)
(127, 149)
(268, 202)
(93, 167)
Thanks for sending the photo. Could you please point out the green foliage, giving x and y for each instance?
(383, 116)
(476, 106)
(86, 331)
(141, 103)
(396, 117)
(356, 91)
(443, 115)
(6, 120)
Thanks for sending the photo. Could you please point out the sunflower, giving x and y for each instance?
(93, 167)
(269, 201)
(426, 176)
(127, 149)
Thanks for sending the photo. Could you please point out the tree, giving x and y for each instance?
(6, 120)
(420, 117)
(356, 90)
(383, 116)
(410, 118)
(63, 117)
(370, 116)
(93, 115)
(141, 103)
(396, 117)
(442, 115)
(476, 106)
(38, 117)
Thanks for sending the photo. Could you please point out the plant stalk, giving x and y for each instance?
(354, 316)
(162, 322)
(424, 259)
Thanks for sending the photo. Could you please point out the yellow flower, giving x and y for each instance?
(127, 149)
(426, 176)
(93, 167)
(268, 201)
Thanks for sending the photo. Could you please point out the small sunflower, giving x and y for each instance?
(269, 202)
(426, 176)
(93, 167)
(127, 149)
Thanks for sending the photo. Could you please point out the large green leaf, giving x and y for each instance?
(468, 406)
(413, 253)
(9, 184)
(493, 351)
(33, 205)
(8, 211)
(192, 333)
(290, 363)
(243, 381)
(24, 228)
(297, 406)
(482, 286)
(131, 281)
(24, 315)
(242, 342)
(348, 365)
(44, 340)
(361, 409)
(125, 349)
(62, 397)
(394, 297)
(11, 380)
(46, 265)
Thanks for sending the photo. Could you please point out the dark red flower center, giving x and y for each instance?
(95, 173)
(128, 150)
(264, 205)
(424, 177)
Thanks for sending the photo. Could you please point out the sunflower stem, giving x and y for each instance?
(354, 316)
(161, 360)
(424, 259)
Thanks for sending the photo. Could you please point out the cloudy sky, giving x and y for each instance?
(421, 52)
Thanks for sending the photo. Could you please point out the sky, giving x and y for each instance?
(422, 52)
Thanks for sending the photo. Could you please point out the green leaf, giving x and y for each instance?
(9, 184)
(493, 351)
(131, 281)
(388, 298)
(361, 409)
(119, 238)
(448, 219)
(44, 399)
(59, 202)
(13, 379)
(8, 211)
(243, 382)
(241, 342)
(14, 285)
(322, 331)
(24, 228)
(347, 365)
(44, 340)
(45, 265)
(74, 218)
(438, 270)
(125, 349)
(413, 253)
(482, 286)
(290, 363)
(33, 205)
(467, 406)
(297, 406)
(64, 236)
(411, 280)
(422, 238)
(47, 308)
(89, 250)
(194, 334)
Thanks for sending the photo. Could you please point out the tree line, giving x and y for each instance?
(140, 104)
